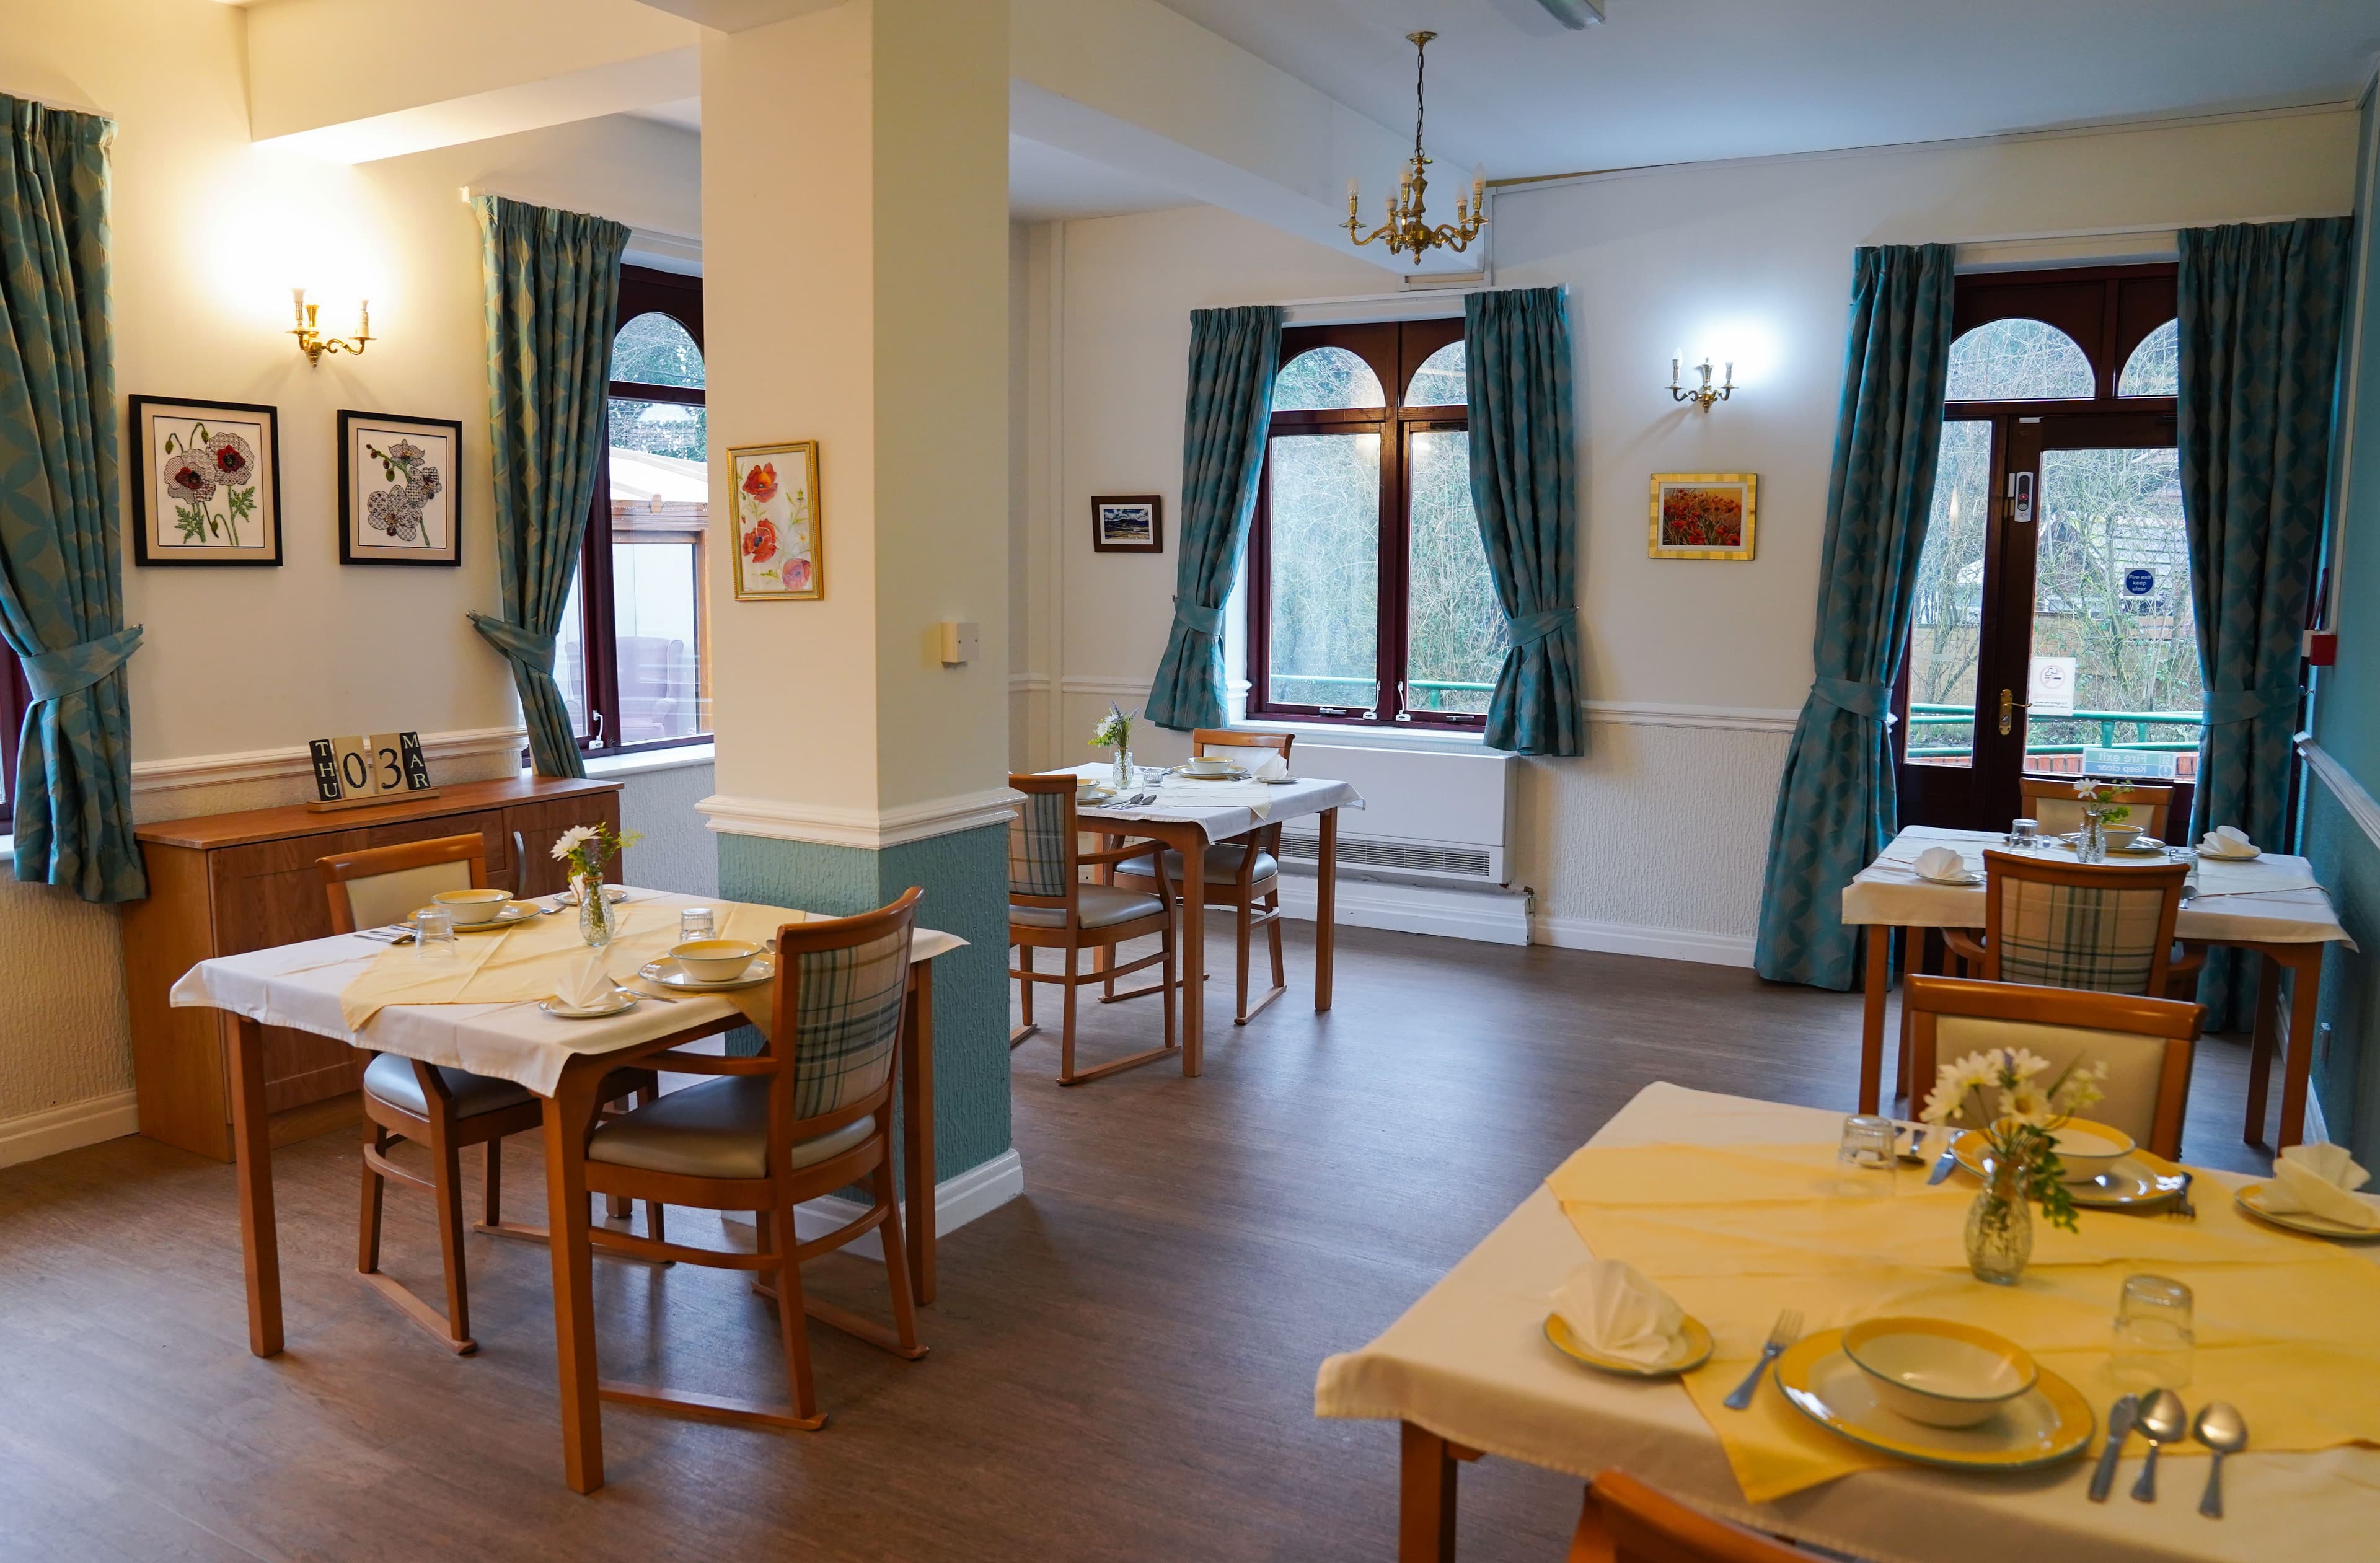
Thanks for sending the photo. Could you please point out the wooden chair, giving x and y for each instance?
(2106, 927)
(2051, 799)
(1239, 873)
(445, 1110)
(1626, 1521)
(812, 1113)
(1049, 907)
(2147, 1043)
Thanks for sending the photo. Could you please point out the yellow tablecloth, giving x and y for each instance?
(2287, 1327)
(533, 960)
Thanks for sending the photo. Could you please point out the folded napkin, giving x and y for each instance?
(1613, 1310)
(1940, 863)
(589, 986)
(2226, 841)
(1268, 767)
(2322, 1180)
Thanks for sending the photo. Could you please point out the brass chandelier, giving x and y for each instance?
(1407, 229)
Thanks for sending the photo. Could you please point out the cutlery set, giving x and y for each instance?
(2162, 1419)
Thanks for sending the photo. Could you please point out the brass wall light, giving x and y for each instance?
(313, 343)
(1703, 395)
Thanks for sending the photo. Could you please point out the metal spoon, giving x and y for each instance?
(2221, 1428)
(2163, 1419)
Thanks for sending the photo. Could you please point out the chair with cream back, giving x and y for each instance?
(2051, 801)
(2147, 1043)
(444, 1110)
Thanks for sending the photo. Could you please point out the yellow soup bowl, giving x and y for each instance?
(714, 959)
(473, 905)
(1937, 1371)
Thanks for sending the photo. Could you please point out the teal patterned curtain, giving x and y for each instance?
(1233, 355)
(1835, 805)
(553, 285)
(1524, 486)
(61, 567)
(2261, 306)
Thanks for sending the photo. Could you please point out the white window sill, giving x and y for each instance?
(652, 760)
(1369, 735)
(7, 849)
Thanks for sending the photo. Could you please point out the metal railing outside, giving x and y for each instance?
(1434, 687)
(1924, 714)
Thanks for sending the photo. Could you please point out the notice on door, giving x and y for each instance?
(2049, 688)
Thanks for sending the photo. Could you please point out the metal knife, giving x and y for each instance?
(2120, 1417)
(1948, 1159)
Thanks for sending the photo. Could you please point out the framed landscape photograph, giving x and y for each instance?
(399, 501)
(1128, 523)
(1703, 514)
(206, 482)
(780, 553)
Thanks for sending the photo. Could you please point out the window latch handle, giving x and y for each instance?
(595, 729)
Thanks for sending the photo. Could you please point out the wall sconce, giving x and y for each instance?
(313, 343)
(1708, 394)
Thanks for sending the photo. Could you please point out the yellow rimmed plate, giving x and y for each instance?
(2138, 1180)
(2047, 1424)
(1213, 775)
(1692, 1350)
(2250, 1198)
(514, 911)
(669, 974)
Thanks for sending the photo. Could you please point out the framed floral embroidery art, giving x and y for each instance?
(780, 532)
(399, 499)
(1703, 514)
(206, 482)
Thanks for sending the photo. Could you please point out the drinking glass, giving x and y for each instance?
(696, 922)
(2153, 1338)
(433, 935)
(1868, 1141)
(2024, 834)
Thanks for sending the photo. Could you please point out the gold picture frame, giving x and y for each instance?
(779, 525)
(1703, 514)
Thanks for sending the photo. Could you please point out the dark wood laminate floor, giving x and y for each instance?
(1123, 1359)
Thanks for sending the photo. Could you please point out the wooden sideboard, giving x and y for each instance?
(233, 882)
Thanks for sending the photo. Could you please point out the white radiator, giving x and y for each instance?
(1427, 815)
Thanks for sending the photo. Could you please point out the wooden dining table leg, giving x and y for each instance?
(1191, 842)
(1326, 909)
(2267, 1035)
(1424, 1496)
(567, 1113)
(2304, 964)
(917, 1130)
(1879, 971)
(251, 1138)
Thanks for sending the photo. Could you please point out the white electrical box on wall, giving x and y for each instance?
(961, 642)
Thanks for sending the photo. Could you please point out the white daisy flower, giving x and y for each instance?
(570, 840)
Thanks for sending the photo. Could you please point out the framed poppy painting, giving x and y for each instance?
(398, 499)
(206, 482)
(780, 535)
(1703, 514)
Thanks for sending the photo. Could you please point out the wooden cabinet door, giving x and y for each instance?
(537, 825)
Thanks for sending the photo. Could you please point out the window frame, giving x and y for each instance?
(643, 291)
(1393, 350)
(16, 699)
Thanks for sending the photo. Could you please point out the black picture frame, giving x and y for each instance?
(354, 551)
(149, 503)
(1102, 540)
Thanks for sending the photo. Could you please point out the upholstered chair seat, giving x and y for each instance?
(716, 1129)
(1102, 906)
(1223, 861)
(392, 1079)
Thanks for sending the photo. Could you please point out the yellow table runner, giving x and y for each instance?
(533, 960)
(2287, 1327)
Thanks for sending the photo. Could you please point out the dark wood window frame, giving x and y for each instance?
(15, 698)
(1393, 350)
(643, 291)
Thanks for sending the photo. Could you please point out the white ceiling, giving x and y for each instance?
(1675, 81)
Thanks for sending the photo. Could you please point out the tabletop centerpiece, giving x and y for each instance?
(2019, 1125)
(2100, 810)
(585, 849)
(1114, 733)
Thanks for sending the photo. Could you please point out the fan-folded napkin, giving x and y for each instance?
(2322, 1180)
(591, 986)
(2226, 841)
(1613, 1310)
(1268, 767)
(1940, 863)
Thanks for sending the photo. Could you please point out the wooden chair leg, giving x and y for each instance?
(1024, 986)
(1241, 914)
(793, 1320)
(1066, 1022)
(1273, 929)
(447, 1177)
(367, 1228)
(1171, 972)
(493, 1195)
(897, 1264)
(646, 1098)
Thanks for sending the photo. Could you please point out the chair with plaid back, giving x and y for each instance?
(810, 1115)
(2108, 927)
(1050, 908)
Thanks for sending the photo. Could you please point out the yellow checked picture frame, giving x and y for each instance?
(1703, 514)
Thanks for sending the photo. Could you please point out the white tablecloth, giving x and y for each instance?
(299, 986)
(2275, 899)
(1224, 810)
(1470, 1361)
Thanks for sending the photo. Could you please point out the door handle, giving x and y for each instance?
(2010, 706)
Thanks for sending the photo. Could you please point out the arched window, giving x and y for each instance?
(1325, 377)
(2154, 368)
(1443, 380)
(2017, 361)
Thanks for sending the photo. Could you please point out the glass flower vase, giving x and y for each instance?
(597, 921)
(1999, 1230)
(2091, 842)
(1120, 778)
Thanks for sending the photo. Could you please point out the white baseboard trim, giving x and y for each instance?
(976, 1191)
(1637, 939)
(34, 1135)
(296, 763)
(867, 827)
(1448, 912)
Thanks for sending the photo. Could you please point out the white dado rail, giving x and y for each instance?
(2360, 805)
(872, 828)
(1609, 713)
(296, 763)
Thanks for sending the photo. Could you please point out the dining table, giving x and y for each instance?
(311, 986)
(1188, 815)
(1469, 1371)
(2271, 907)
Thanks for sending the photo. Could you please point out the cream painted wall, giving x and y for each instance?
(209, 233)
(1656, 839)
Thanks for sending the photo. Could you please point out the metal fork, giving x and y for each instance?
(2181, 1209)
(1783, 1333)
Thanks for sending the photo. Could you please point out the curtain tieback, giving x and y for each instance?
(531, 650)
(1199, 621)
(53, 675)
(2224, 706)
(1859, 699)
(1530, 628)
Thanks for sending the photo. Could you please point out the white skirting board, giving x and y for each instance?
(1637, 939)
(981, 1188)
(1492, 916)
(37, 1134)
